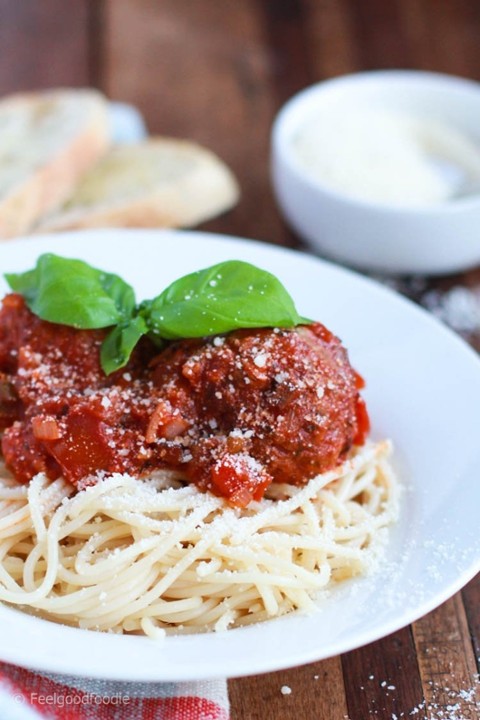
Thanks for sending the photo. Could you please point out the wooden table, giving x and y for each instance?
(217, 71)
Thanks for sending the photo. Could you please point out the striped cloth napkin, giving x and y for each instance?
(25, 695)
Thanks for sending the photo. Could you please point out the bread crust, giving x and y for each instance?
(51, 183)
(206, 190)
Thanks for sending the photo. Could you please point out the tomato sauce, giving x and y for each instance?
(231, 413)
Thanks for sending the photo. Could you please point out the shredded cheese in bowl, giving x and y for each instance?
(389, 157)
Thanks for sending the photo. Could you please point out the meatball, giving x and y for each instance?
(231, 414)
(262, 406)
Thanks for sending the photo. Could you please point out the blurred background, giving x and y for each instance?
(217, 71)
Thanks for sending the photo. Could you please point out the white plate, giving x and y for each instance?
(423, 391)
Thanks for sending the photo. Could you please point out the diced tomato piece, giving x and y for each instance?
(240, 479)
(84, 447)
(359, 381)
(165, 422)
(363, 422)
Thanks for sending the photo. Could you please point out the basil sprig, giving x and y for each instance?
(216, 300)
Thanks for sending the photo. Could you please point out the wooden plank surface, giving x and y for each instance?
(217, 72)
(202, 70)
(43, 45)
(446, 659)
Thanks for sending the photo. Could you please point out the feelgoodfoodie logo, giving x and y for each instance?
(60, 700)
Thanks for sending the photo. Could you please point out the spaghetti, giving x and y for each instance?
(151, 556)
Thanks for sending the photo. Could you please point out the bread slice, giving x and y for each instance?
(160, 182)
(48, 140)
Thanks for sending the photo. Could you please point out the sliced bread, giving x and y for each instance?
(160, 182)
(48, 140)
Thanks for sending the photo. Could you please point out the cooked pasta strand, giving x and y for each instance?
(129, 555)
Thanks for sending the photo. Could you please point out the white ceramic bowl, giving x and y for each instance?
(435, 239)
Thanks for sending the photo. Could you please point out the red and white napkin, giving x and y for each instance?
(26, 695)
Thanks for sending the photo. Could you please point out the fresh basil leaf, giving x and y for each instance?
(24, 283)
(119, 344)
(121, 293)
(71, 292)
(221, 298)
